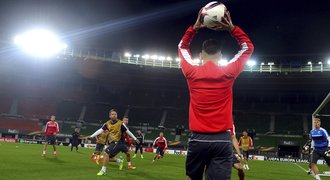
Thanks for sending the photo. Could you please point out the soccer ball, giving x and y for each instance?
(212, 13)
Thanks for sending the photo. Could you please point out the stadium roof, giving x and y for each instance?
(276, 27)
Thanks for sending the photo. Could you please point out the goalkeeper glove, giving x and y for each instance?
(327, 152)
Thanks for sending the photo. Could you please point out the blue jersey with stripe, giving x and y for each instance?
(320, 139)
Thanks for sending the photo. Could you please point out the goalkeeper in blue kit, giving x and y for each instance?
(320, 145)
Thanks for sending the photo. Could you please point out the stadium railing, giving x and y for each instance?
(270, 66)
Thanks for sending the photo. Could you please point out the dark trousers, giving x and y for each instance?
(138, 147)
(74, 145)
(211, 153)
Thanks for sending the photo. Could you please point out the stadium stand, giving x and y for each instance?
(5, 103)
(146, 92)
(19, 124)
(36, 107)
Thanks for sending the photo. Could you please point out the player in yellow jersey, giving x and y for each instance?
(117, 144)
(246, 144)
(238, 156)
(101, 141)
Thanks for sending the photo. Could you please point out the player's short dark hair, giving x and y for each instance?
(113, 110)
(211, 46)
(125, 117)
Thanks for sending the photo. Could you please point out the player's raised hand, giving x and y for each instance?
(198, 24)
(226, 24)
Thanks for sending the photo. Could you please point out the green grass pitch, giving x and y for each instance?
(24, 161)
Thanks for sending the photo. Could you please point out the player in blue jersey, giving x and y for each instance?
(320, 144)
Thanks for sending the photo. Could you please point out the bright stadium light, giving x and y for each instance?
(169, 58)
(329, 61)
(154, 57)
(262, 63)
(309, 63)
(40, 43)
(177, 59)
(161, 58)
(146, 56)
(127, 54)
(320, 63)
(136, 55)
(271, 64)
(223, 62)
(251, 63)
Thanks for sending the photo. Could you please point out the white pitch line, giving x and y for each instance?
(305, 170)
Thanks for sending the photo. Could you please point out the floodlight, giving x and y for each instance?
(223, 62)
(127, 54)
(169, 58)
(154, 57)
(146, 56)
(251, 63)
(161, 58)
(40, 43)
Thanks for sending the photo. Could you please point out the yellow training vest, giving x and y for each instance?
(114, 130)
(245, 143)
(103, 137)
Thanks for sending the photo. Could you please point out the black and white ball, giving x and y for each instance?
(212, 13)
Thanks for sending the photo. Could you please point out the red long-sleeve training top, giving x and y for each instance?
(52, 128)
(210, 85)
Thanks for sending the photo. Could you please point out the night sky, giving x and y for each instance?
(156, 26)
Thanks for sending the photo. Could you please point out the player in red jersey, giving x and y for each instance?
(129, 144)
(161, 146)
(211, 100)
(51, 130)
